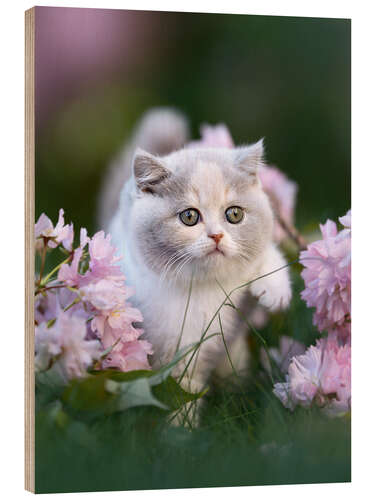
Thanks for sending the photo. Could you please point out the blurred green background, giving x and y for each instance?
(286, 79)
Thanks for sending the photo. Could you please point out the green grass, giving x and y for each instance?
(243, 440)
(245, 436)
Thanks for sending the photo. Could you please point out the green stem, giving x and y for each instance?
(242, 316)
(75, 301)
(250, 326)
(223, 303)
(226, 349)
(185, 313)
(48, 288)
(49, 275)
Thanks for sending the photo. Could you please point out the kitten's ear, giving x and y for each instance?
(149, 171)
(250, 158)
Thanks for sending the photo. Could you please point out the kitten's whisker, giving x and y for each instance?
(187, 259)
(171, 252)
(169, 263)
(173, 261)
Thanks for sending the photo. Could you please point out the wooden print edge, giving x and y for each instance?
(29, 248)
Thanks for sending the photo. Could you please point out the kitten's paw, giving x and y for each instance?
(273, 294)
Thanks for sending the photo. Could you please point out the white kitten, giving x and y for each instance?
(200, 215)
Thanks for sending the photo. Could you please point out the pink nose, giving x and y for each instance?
(216, 237)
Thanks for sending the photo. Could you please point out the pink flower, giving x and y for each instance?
(67, 241)
(101, 319)
(322, 376)
(103, 261)
(130, 356)
(282, 193)
(117, 325)
(43, 227)
(217, 136)
(77, 352)
(69, 273)
(122, 319)
(46, 307)
(304, 373)
(113, 316)
(282, 356)
(336, 375)
(346, 220)
(66, 338)
(83, 238)
(327, 277)
(105, 295)
(60, 234)
(47, 346)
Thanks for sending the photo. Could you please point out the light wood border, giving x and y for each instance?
(29, 248)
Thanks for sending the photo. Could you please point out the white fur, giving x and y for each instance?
(160, 131)
(161, 254)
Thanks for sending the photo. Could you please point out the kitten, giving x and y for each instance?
(199, 219)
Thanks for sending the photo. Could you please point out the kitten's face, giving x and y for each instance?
(201, 210)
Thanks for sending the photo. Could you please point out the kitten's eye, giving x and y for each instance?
(189, 217)
(234, 215)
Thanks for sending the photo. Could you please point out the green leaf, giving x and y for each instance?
(173, 395)
(107, 392)
(137, 393)
(89, 396)
(51, 322)
(110, 391)
(118, 376)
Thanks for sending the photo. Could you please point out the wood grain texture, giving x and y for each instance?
(29, 248)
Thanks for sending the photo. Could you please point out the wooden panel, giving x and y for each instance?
(29, 248)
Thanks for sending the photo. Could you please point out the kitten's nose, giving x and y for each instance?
(216, 237)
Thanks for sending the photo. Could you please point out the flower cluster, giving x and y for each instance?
(66, 341)
(83, 315)
(281, 190)
(327, 277)
(322, 375)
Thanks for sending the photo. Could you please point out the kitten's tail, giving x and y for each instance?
(160, 131)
